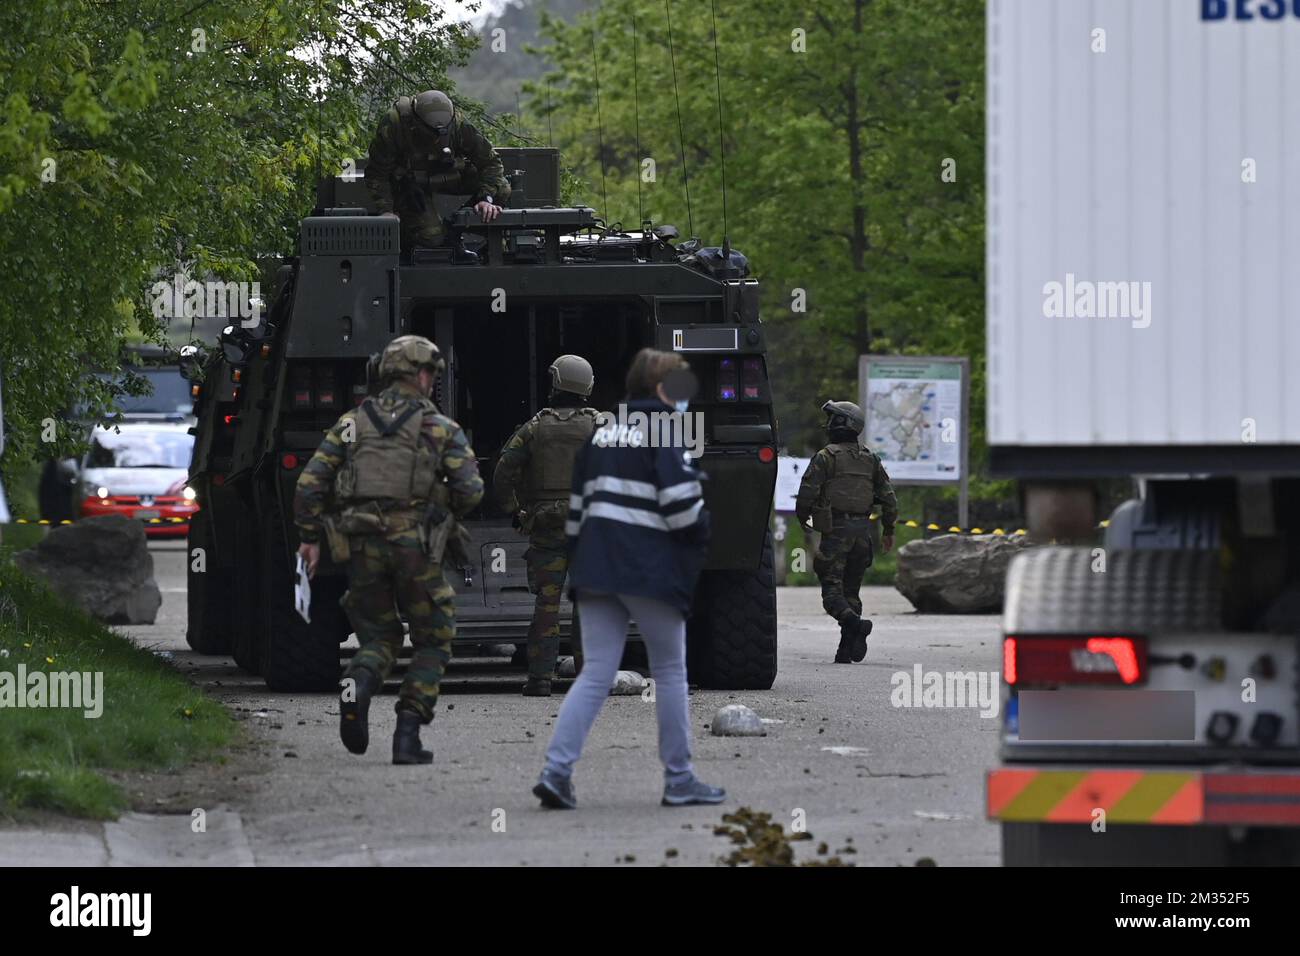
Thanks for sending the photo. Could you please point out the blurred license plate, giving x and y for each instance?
(146, 513)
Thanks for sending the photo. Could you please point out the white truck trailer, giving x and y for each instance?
(1143, 174)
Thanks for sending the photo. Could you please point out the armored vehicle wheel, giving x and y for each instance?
(208, 628)
(297, 656)
(247, 617)
(732, 644)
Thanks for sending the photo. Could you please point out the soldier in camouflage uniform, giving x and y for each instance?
(842, 484)
(532, 480)
(423, 147)
(385, 486)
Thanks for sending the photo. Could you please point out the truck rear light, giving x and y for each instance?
(766, 455)
(1222, 726)
(325, 389)
(288, 461)
(728, 380)
(1074, 660)
(1266, 728)
(300, 387)
(752, 380)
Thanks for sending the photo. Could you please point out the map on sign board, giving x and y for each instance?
(789, 474)
(914, 412)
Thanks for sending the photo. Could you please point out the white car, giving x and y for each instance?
(139, 469)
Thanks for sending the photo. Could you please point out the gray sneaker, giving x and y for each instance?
(555, 791)
(691, 792)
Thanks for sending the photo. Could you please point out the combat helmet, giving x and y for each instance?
(434, 110)
(844, 415)
(572, 373)
(407, 354)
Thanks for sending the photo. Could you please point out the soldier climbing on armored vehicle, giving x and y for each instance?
(423, 146)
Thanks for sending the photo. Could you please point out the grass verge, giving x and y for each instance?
(152, 717)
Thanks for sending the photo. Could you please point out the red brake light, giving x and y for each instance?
(1074, 660)
(766, 454)
(289, 461)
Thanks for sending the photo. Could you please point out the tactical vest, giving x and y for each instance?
(559, 434)
(440, 172)
(851, 485)
(387, 459)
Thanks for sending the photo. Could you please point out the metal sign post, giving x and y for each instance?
(917, 410)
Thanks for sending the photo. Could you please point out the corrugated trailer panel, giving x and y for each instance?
(1126, 166)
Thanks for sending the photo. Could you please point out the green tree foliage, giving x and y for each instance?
(838, 117)
(139, 137)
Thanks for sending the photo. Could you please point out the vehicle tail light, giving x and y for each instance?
(288, 461)
(300, 387)
(766, 454)
(752, 380)
(728, 384)
(1074, 660)
(325, 390)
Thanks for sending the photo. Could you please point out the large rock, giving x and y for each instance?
(102, 565)
(957, 574)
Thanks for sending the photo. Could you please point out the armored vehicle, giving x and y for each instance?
(549, 279)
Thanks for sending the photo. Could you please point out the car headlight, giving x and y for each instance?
(188, 493)
(101, 491)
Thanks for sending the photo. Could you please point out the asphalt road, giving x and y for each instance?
(890, 784)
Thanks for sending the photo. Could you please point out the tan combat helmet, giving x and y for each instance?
(844, 415)
(572, 373)
(407, 354)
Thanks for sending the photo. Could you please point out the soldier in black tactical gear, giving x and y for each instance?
(532, 480)
(843, 482)
(424, 147)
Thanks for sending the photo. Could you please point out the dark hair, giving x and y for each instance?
(649, 368)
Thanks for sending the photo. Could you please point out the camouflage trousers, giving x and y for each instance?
(388, 574)
(425, 227)
(842, 559)
(548, 565)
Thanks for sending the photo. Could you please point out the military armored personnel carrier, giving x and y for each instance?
(549, 280)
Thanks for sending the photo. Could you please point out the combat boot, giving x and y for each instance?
(537, 687)
(853, 640)
(406, 740)
(354, 715)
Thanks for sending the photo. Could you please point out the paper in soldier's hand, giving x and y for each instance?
(302, 591)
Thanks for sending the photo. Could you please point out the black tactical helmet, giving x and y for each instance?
(844, 415)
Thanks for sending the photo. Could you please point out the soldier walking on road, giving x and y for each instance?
(386, 486)
(423, 147)
(532, 481)
(842, 484)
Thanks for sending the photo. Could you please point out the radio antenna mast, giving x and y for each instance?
(722, 140)
(600, 127)
(681, 135)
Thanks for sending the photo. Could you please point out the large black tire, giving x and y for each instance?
(209, 595)
(248, 619)
(297, 656)
(733, 634)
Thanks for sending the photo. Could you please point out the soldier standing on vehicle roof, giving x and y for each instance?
(423, 147)
(399, 473)
(532, 481)
(843, 481)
